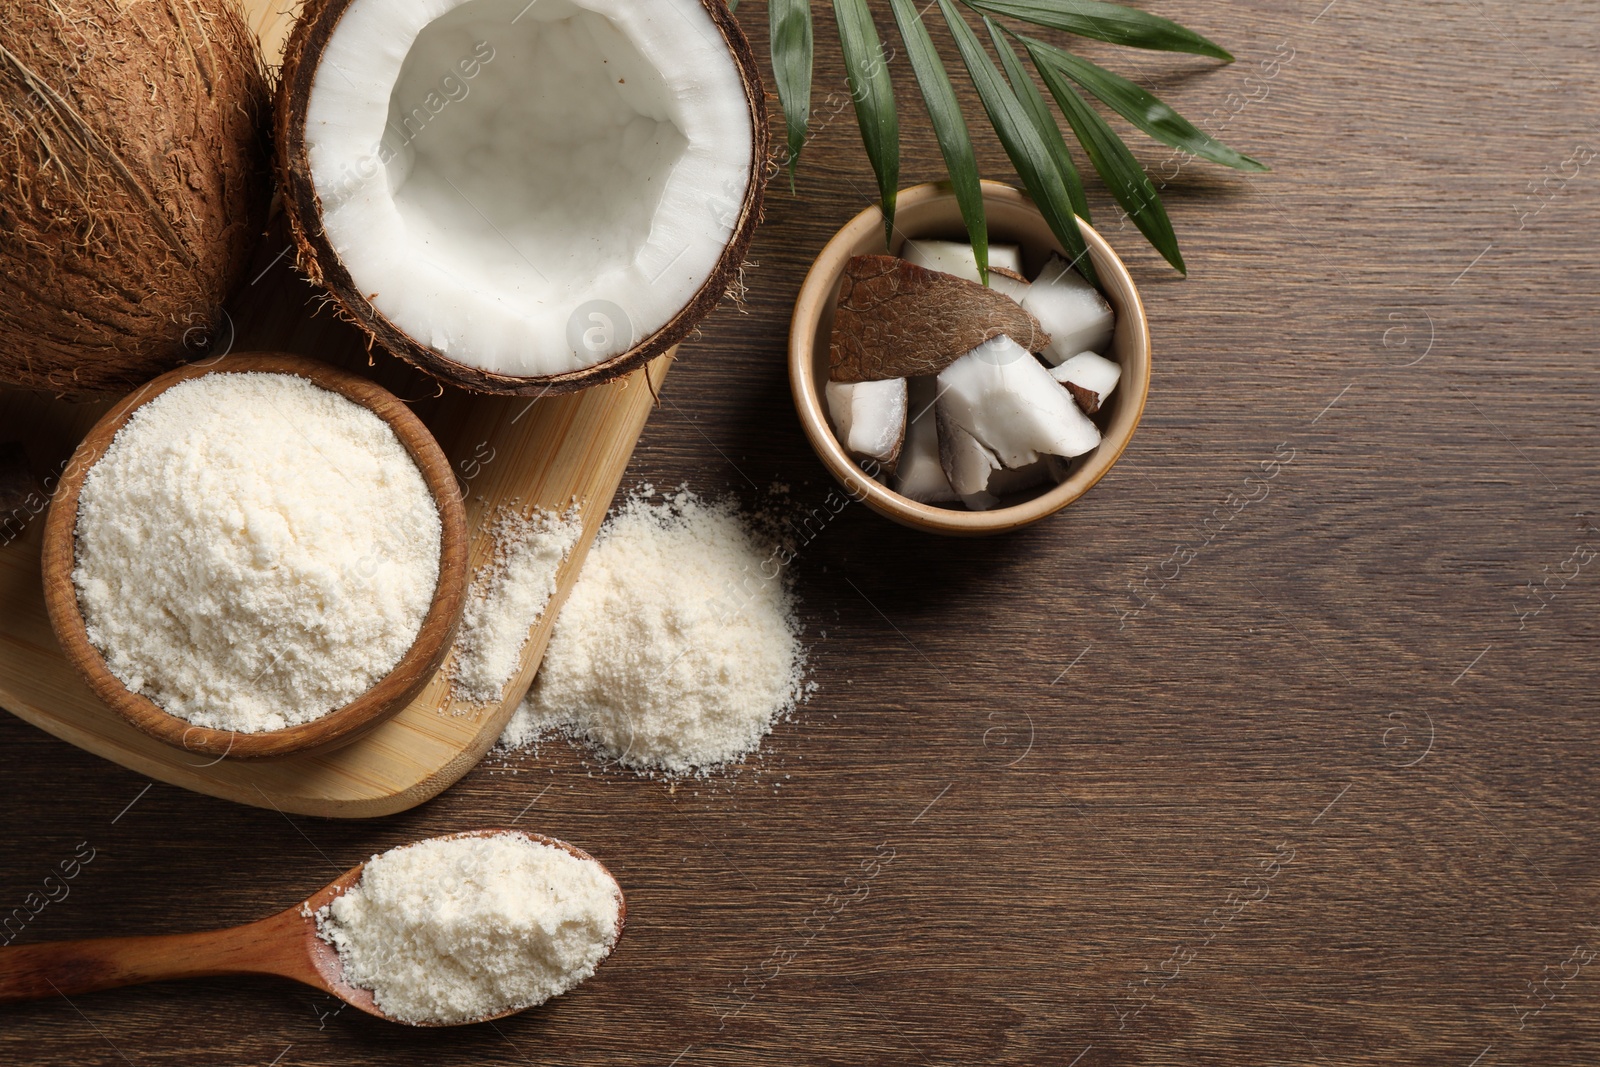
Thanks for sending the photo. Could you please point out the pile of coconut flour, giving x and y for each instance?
(507, 598)
(254, 551)
(453, 929)
(677, 649)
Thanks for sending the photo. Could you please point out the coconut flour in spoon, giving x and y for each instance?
(458, 928)
(254, 551)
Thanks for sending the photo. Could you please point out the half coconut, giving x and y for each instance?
(522, 196)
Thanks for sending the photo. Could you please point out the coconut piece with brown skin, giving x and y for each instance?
(895, 319)
(870, 419)
(133, 144)
(1008, 480)
(1009, 282)
(1090, 378)
(522, 198)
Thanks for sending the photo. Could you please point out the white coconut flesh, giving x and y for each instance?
(954, 257)
(1090, 371)
(537, 186)
(1008, 402)
(920, 474)
(1072, 312)
(870, 417)
(1007, 480)
(968, 463)
(1014, 286)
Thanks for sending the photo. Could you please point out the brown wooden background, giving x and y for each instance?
(1328, 798)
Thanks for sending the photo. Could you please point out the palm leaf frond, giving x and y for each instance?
(1122, 173)
(1043, 121)
(790, 33)
(1019, 113)
(949, 126)
(1021, 140)
(1112, 23)
(1143, 109)
(867, 70)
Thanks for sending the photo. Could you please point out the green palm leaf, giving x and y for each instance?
(1021, 140)
(1043, 121)
(949, 126)
(1144, 110)
(1122, 173)
(1019, 113)
(790, 34)
(867, 69)
(1106, 22)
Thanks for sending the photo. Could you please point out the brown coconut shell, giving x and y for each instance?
(322, 265)
(894, 319)
(135, 155)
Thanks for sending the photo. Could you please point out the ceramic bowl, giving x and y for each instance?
(931, 212)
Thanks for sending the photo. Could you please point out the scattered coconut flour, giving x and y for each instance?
(507, 598)
(679, 646)
(254, 551)
(453, 929)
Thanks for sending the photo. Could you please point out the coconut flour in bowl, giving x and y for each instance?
(254, 551)
(460, 928)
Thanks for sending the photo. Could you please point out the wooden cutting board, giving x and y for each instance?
(514, 452)
(550, 453)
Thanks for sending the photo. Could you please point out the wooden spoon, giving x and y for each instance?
(285, 944)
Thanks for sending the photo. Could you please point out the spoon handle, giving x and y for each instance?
(29, 972)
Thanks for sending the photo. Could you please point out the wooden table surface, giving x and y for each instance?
(1203, 771)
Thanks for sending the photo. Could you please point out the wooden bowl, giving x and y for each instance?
(930, 212)
(342, 725)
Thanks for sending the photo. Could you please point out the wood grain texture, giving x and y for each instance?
(340, 726)
(1083, 787)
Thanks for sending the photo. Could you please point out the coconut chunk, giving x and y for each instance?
(870, 418)
(1000, 481)
(920, 474)
(1006, 399)
(956, 257)
(1009, 283)
(1090, 378)
(967, 463)
(1072, 311)
(894, 319)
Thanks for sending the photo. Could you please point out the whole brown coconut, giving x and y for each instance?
(358, 297)
(136, 183)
